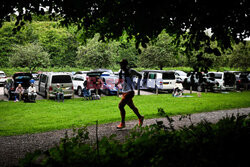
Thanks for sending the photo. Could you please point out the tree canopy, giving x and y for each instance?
(31, 55)
(228, 20)
(187, 20)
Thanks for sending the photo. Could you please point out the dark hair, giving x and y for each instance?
(124, 62)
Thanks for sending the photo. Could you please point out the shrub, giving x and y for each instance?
(204, 144)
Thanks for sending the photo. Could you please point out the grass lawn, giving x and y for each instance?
(45, 115)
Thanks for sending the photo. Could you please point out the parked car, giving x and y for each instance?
(180, 75)
(18, 78)
(104, 70)
(108, 85)
(163, 80)
(48, 80)
(200, 82)
(243, 81)
(226, 80)
(3, 78)
(80, 72)
(78, 80)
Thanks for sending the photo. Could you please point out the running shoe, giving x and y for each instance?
(121, 125)
(141, 121)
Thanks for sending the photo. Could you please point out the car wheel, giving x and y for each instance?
(45, 94)
(9, 97)
(107, 92)
(4, 92)
(79, 91)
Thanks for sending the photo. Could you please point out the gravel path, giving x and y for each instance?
(14, 147)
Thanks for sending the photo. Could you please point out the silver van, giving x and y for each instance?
(48, 80)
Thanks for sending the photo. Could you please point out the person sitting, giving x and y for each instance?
(177, 92)
(59, 93)
(32, 92)
(18, 92)
(86, 90)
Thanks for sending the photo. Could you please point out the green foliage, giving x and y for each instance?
(6, 41)
(96, 54)
(240, 57)
(160, 54)
(57, 41)
(30, 55)
(204, 144)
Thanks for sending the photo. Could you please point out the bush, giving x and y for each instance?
(204, 144)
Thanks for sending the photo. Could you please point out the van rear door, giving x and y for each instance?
(65, 82)
(168, 80)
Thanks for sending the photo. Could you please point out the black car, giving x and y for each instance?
(243, 81)
(199, 82)
(17, 78)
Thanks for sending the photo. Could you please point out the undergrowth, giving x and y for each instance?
(202, 144)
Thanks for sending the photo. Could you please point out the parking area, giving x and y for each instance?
(39, 97)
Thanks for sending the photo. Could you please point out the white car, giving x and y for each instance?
(2, 78)
(180, 75)
(78, 80)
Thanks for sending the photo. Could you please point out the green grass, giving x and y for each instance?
(46, 115)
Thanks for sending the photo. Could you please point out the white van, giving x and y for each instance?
(48, 80)
(163, 80)
(226, 80)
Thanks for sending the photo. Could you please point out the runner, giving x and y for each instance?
(125, 77)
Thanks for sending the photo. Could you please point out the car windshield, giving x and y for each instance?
(61, 79)
(22, 77)
(94, 74)
(215, 75)
(2, 75)
(168, 76)
(181, 73)
(111, 80)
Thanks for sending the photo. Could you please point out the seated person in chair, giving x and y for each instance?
(59, 93)
(18, 92)
(32, 92)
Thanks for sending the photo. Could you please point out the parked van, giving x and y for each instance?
(163, 80)
(48, 80)
(226, 80)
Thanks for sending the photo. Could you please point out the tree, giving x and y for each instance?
(161, 53)
(95, 54)
(30, 55)
(240, 57)
(57, 41)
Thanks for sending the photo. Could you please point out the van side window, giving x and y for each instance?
(152, 76)
(43, 78)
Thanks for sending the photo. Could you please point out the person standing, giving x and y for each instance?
(126, 78)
